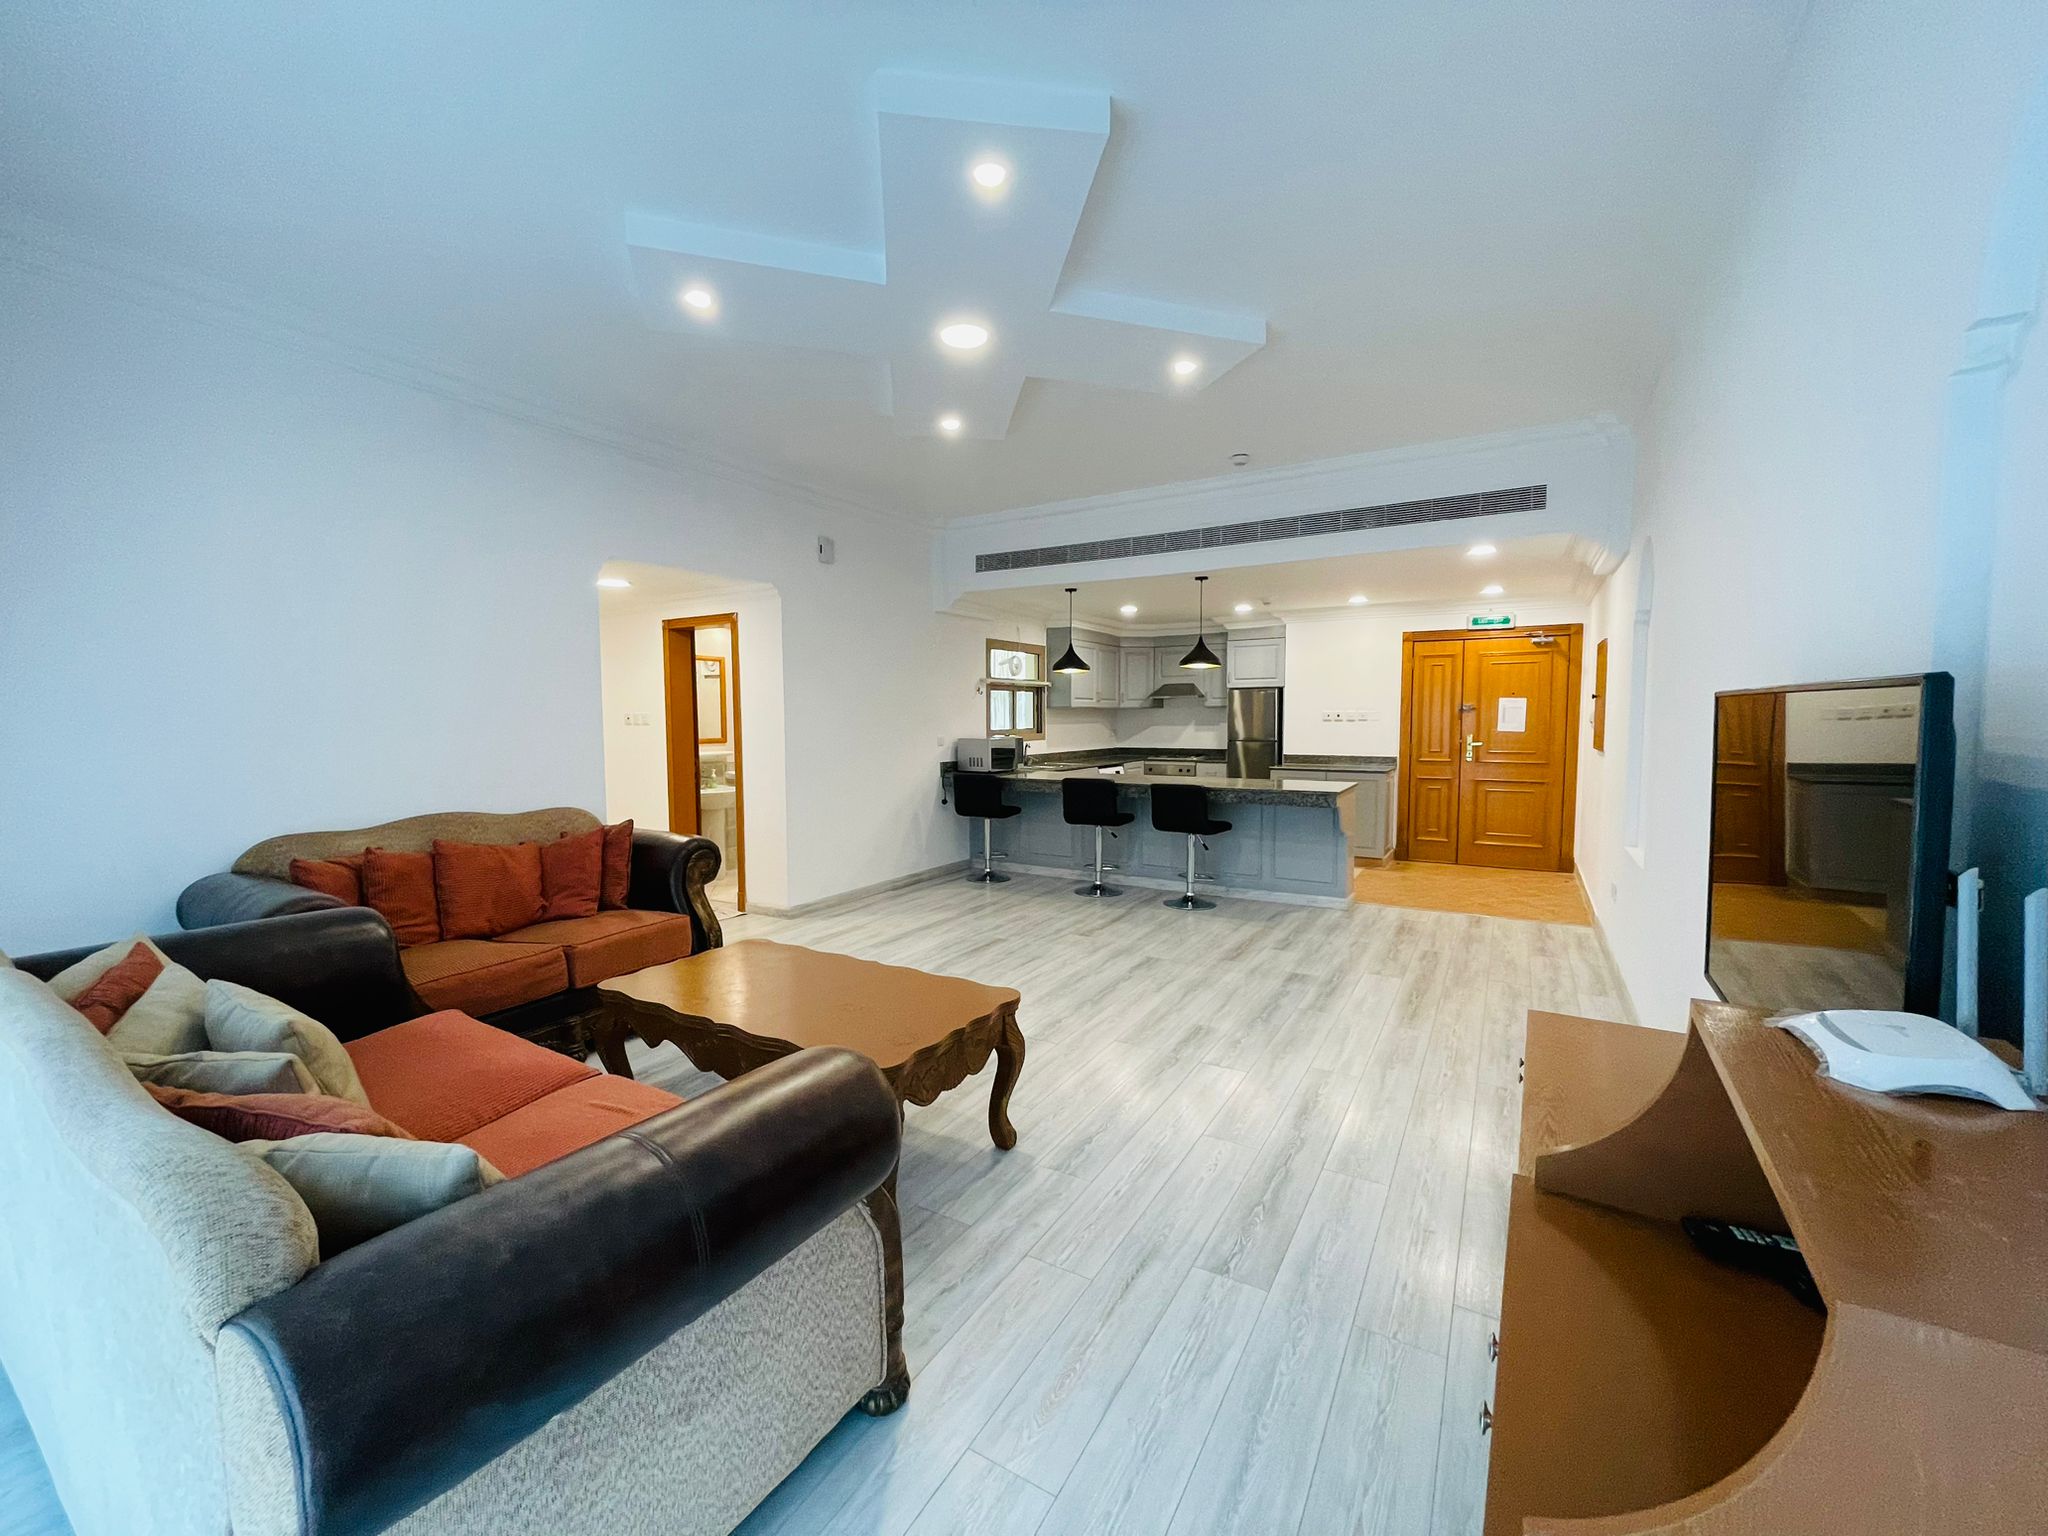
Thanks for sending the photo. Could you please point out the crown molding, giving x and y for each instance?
(1601, 429)
(50, 251)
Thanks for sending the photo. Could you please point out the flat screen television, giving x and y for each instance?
(1828, 879)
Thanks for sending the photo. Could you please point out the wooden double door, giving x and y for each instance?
(1489, 747)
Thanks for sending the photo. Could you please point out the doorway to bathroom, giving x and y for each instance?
(701, 686)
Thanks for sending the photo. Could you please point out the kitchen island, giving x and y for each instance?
(1289, 839)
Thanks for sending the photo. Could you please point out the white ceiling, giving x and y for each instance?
(1454, 219)
(1529, 570)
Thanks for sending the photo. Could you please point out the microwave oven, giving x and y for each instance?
(988, 754)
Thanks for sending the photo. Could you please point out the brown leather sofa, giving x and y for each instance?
(536, 981)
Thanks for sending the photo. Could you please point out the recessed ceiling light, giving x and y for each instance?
(1492, 589)
(1480, 552)
(963, 335)
(1358, 599)
(1128, 609)
(1243, 608)
(949, 423)
(613, 582)
(699, 298)
(1185, 367)
(990, 174)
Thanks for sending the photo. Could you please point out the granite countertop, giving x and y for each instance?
(1340, 764)
(1092, 757)
(1222, 791)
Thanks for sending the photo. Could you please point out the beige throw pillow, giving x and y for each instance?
(359, 1186)
(226, 1072)
(238, 1019)
(167, 1020)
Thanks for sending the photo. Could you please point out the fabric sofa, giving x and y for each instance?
(535, 980)
(644, 1328)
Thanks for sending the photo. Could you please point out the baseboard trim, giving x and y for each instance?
(1628, 1000)
(1208, 889)
(859, 894)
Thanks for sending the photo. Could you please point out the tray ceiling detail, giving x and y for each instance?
(957, 250)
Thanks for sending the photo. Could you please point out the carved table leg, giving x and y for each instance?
(894, 1390)
(1009, 1063)
(610, 1032)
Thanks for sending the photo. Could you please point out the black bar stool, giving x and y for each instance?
(980, 796)
(1180, 808)
(1092, 803)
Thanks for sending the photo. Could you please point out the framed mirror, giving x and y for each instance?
(713, 718)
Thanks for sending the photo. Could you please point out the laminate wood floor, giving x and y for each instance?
(1536, 895)
(1240, 1271)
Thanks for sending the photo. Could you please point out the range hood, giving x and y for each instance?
(1175, 690)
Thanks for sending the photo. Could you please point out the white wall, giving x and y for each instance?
(1350, 663)
(1790, 465)
(245, 590)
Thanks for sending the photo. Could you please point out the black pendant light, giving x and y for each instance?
(1070, 660)
(1201, 658)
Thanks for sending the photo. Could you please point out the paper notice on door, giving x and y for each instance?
(1514, 716)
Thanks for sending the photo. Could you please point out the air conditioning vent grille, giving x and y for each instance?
(1397, 514)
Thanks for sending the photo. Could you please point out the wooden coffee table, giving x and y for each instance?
(740, 1007)
(737, 1008)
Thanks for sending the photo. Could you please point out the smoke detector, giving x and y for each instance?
(1240, 459)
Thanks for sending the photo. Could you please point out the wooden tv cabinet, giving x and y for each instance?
(1642, 1388)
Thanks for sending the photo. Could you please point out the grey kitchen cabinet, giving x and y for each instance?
(1256, 661)
(1137, 674)
(1122, 673)
(1167, 658)
(1094, 689)
(1372, 805)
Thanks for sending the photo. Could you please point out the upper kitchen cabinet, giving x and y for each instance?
(1094, 689)
(1256, 659)
(1208, 679)
(1137, 674)
(1126, 673)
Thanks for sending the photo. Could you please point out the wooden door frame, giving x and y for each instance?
(1574, 636)
(730, 622)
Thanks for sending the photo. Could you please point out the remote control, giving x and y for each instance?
(1761, 1253)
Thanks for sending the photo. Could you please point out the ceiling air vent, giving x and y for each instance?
(1397, 514)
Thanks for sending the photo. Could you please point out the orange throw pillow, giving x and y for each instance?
(572, 874)
(339, 878)
(618, 864)
(120, 988)
(273, 1116)
(400, 886)
(485, 889)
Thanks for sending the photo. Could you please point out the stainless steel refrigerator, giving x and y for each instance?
(1254, 749)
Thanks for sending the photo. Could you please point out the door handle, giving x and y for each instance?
(1472, 744)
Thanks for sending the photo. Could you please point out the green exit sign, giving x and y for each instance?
(1491, 621)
